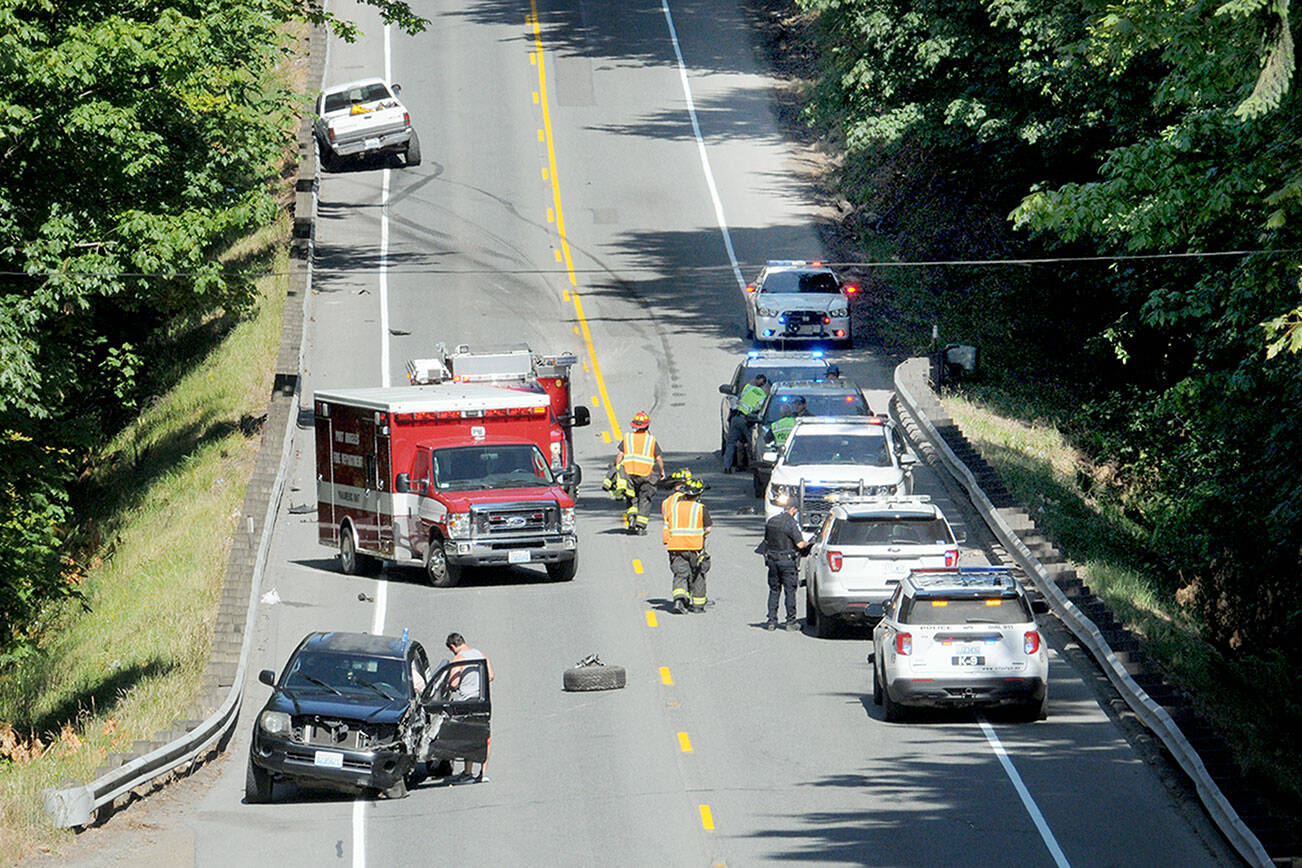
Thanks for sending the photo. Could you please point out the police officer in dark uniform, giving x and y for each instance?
(783, 543)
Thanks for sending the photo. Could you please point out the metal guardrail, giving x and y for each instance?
(1149, 712)
(76, 806)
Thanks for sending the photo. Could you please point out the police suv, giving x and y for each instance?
(863, 551)
(776, 366)
(960, 637)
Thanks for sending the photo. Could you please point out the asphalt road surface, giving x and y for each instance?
(562, 161)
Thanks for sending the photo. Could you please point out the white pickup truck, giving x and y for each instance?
(364, 118)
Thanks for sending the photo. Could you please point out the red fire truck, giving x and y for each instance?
(449, 475)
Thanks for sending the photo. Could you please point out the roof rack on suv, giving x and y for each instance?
(948, 579)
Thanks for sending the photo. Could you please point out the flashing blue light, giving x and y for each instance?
(816, 354)
(768, 333)
(782, 319)
(404, 637)
(753, 354)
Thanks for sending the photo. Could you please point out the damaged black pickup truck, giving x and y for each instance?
(354, 711)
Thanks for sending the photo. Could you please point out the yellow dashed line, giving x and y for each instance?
(536, 57)
(544, 173)
(551, 216)
(684, 743)
(596, 402)
(605, 435)
(707, 818)
(566, 294)
(651, 618)
(637, 566)
(665, 678)
(576, 330)
(535, 97)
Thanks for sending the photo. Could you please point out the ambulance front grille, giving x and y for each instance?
(516, 518)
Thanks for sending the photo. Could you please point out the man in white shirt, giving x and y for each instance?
(465, 685)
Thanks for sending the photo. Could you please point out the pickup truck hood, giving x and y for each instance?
(371, 709)
(836, 475)
(783, 301)
(462, 501)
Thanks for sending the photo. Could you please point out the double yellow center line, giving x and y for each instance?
(560, 220)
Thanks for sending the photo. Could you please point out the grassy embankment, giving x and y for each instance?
(168, 492)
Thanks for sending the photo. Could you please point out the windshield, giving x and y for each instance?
(966, 611)
(895, 530)
(820, 404)
(864, 449)
(365, 93)
(797, 282)
(340, 674)
(780, 374)
(473, 468)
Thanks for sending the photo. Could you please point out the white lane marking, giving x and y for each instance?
(382, 587)
(700, 148)
(1027, 802)
(384, 237)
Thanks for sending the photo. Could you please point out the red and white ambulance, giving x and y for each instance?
(448, 475)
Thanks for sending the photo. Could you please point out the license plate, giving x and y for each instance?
(968, 650)
(968, 660)
(897, 570)
(517, 557)
(372, 143)
(330, 759)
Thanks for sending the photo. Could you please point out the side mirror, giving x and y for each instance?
(872, 655)
(770, 457)
(567, 478)
(397, 89)
(908, 460)
(267, 677)
(1040, 607)
(875, 610)
(726, 389)
(401, 484)
(577, 419)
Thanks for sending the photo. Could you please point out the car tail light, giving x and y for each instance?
(331, 135)
(951, 558)
(750, 288)
(826, 319)
(1031, 642)
(840, 333)
(834, 561)
(904, 643)
(406, 119)
(851, 290)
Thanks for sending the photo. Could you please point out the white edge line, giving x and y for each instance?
(700, 147)
(1027, 802)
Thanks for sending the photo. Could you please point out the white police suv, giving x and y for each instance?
(798, 300)
(960, 637)
(864, 549)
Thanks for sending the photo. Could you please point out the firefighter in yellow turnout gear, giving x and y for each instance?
(638, 455)
(687, 521)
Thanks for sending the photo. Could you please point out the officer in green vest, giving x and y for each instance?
(748, 404)
(781, 427)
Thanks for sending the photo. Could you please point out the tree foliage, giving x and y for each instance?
(1127, 128)
(138, 143)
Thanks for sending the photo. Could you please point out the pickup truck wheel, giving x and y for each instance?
(563, 571)
(583, 678)
(440, 573)
(257, 784)
(413, 150)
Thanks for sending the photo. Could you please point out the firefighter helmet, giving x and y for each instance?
(641, 421)
(693, 487)
(681, 474)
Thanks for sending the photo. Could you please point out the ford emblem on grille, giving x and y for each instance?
(515, 521)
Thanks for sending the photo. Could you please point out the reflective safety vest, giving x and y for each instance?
(781, 429)
(669, 504)
(751, 398)
(639, 453)
(685, 526)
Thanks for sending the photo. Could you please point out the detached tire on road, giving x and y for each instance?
(583, 678)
